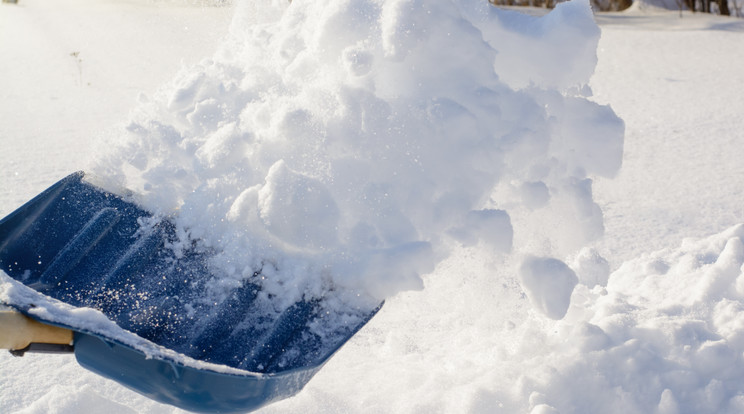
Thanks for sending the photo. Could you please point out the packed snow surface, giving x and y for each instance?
(449, 157)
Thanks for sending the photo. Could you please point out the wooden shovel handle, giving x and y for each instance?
(18, 331)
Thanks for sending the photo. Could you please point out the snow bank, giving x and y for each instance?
(664, 336)
(354, 143)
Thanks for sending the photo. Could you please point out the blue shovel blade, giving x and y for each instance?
(86, 247)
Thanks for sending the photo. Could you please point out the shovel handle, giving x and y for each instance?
(19, 334)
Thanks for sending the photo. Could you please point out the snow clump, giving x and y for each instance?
(352, 144)
(548, 283)
(665, 335)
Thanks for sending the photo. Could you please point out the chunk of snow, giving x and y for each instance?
(591, 268)
(548, 284)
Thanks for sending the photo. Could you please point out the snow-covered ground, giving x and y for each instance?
(662, 333)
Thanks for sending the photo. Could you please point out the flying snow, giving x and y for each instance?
(357, 145)
(354, 144)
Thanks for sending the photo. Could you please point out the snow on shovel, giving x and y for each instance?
(83, 270)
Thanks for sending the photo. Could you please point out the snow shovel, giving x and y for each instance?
(86, 271)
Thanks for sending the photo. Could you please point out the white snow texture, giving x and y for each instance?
(460, 161)
(344, 142)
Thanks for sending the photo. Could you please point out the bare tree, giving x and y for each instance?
(599, 5)
(737, 9)
(723, 8)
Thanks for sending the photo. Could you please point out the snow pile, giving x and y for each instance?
(665, 335)
(355, 143)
